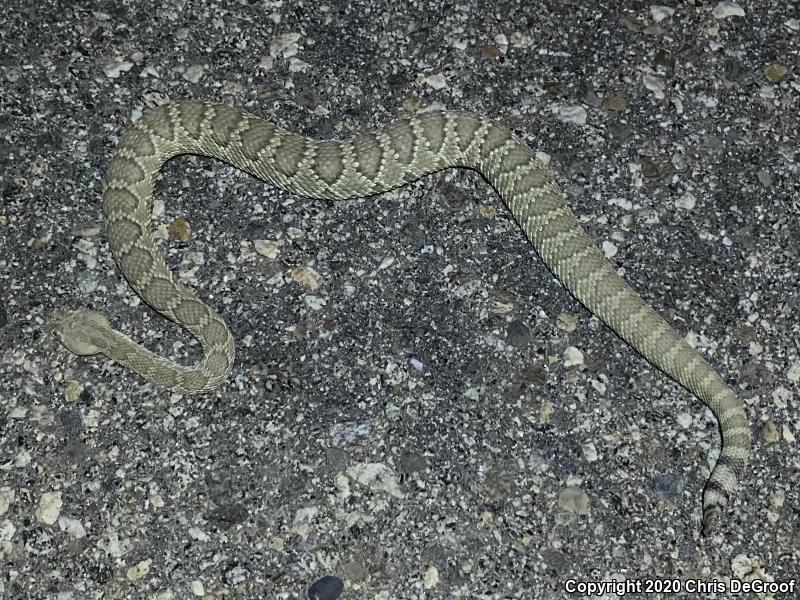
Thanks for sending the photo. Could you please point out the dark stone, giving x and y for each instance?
(518, 334)
(669, 485)
(327, 588)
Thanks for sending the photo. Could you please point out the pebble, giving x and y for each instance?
(655, 84)
(326, 588)
(573, 357)
(349, 432)
(574, 499)
(294, 233)
(659, 13)
(567, 322)
(308, 277)
(502, 42)
(669, 485)
(571, 114)
(194, 73)
(72, 527)
(6, 499)
(615, 103)
(490, 52)
(546, 411)
(115, 69)
(431, 578)
(775, 71)
(781, 396)
(723, 10)
(590, 452)
(49, 507)
(139, 570)
(794, 372)
(437, 81)
(413, 462)
(518, 334)
(488, 211)
(687, 201)
(180, 229)
(377, 477)
(386, 263)
(747, 568)
(314, 302)
(285, 45)
(621, 202)
(267, 248)
(771, 433)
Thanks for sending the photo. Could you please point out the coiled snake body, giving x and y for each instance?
(367, 164)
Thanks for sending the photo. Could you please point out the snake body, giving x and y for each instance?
(367, 164)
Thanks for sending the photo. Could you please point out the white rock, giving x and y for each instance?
(590, 452)
(386, 263)
(572, 356)
(314, 302)
(198, 534)
(793, 374)
(117, 68)
(654, 84)
(376, 476)
(660, 12)
(6, 499)
(621, 202)
(267, 248)
(748, 568)
(49, 507)
(73, 527)
(293, 233)
(781, 396)
(298, 66)
(284, 45)
(7, 531)
(609, 249)
(472, 394)
(431, 577)
(574, 114)
(139, 570)
(687, 201)
(194, 73)
(574, 499)
(725, 9)
(501, 41)
(437, 81)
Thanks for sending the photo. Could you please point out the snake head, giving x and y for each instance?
(80, 331)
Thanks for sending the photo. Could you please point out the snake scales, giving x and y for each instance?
(368, 164)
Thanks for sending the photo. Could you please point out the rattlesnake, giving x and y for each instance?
(368, 164)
